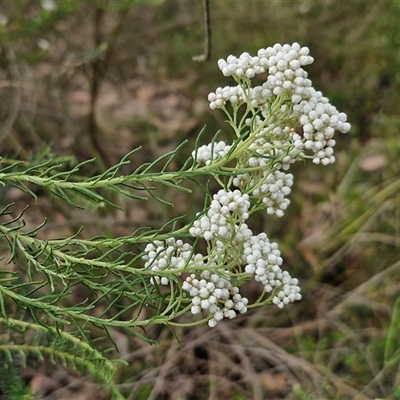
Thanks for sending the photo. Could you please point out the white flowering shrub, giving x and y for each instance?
(154, 276)
(276, 123)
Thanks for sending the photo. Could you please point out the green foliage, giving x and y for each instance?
(11, 383)
(38, 340)
(392, 347)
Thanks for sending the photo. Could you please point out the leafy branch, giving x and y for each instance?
(34, 341)
(156, 275)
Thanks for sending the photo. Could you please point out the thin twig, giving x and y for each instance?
(99, 69)
(207, 30)
(15, 102)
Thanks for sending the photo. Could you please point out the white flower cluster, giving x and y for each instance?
(211, 152)
(319, 120)
(276, 58)
(233, 94)
(224, 225)
(170, 254)
(271, 144)
(215, 294)
(225, 218)
(308, 109)
(272, 188)
(210, 292)
(285, 120)
(230, 242)
(285, 73)
(263, 260)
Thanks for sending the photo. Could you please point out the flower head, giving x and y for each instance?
(283, 120)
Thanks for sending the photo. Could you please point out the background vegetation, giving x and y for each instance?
(99, 78)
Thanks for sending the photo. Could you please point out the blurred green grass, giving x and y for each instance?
(341, 234)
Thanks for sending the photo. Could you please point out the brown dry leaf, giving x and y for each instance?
(275, 383)
(373, 162)
(79, 389)
(41, 385)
